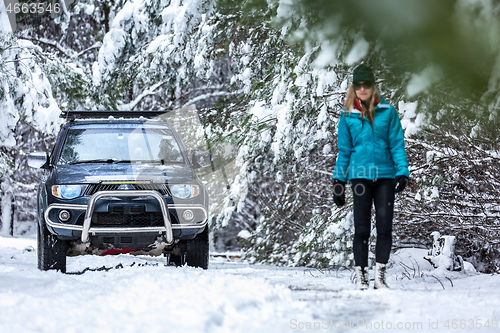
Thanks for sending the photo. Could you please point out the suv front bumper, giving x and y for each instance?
(87, 229)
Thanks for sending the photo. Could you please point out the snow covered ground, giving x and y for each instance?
(140, 294)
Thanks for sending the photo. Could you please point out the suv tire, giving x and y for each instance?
(197, 250)
(51, 250)
(175, 260)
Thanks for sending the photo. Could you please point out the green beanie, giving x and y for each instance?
(363, 73)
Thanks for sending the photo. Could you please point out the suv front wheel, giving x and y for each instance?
(51, 250)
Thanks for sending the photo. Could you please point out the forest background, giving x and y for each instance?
(268, 79)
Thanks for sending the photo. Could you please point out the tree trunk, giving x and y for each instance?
(6, 208)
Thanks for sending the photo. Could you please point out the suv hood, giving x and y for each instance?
(97, 172)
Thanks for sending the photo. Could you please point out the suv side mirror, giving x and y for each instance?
(39, 159)
(201, 159)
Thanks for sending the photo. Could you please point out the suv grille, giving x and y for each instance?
(161, 188)
(129, 220)
(124, 220)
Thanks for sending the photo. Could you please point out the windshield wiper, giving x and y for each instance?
(102, 160)
(114, 160)
(138, 161)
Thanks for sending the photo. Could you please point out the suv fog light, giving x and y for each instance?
(64, 215)
(188, 215)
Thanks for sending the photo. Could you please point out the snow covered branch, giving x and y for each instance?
(151, 91)
(95, 46)
(67, 52)
(210, 96)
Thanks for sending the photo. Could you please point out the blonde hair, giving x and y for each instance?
(369, 112)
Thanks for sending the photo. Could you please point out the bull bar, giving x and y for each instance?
(86, 229)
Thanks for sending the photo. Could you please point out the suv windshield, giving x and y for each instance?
(115, 145)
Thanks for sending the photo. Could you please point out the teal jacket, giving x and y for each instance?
(371, 152)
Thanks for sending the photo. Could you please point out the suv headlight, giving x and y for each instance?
(184, 191)
(67, 191)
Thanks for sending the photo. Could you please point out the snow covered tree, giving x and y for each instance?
(45, 67)
(27, 111)
(268, 79)
(286, 118)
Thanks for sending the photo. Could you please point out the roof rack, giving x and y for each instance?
(90, 114)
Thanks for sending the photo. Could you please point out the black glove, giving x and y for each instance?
(338, 192)
(400, 183)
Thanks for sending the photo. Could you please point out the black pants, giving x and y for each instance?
(380, 192)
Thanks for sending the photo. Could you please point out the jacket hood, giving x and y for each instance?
(96, 172)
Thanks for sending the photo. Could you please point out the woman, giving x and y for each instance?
(372, 157)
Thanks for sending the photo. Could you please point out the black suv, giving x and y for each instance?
(120, 182)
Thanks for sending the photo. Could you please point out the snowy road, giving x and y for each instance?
(139, 294)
